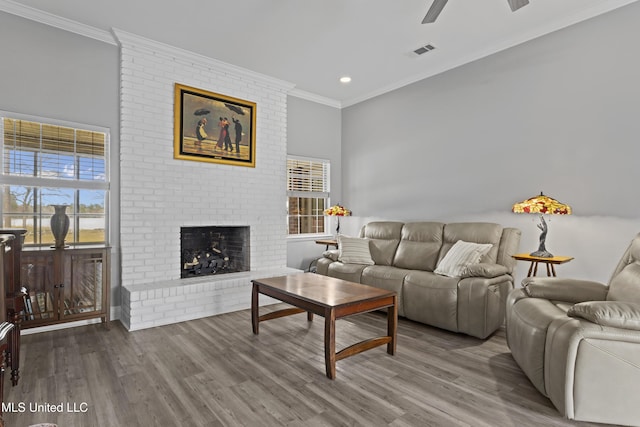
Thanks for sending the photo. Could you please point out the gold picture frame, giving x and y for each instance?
(209, 127)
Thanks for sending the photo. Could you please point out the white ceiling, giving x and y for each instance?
(311, 43)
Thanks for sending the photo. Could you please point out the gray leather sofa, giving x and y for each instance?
(578, 341)
(405, 256)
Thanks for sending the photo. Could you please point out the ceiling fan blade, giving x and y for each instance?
(517, 4)
(434, 11)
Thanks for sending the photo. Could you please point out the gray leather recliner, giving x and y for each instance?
(578, 341)
(405, 256)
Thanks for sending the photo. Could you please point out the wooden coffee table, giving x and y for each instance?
(333, 299)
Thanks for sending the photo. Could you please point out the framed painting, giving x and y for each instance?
(209, 127)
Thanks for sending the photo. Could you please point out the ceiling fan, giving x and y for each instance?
(438, 5)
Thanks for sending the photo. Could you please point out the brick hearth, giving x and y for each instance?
(172, 301)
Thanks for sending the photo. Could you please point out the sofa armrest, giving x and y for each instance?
(589, 367)
(482, 303)
(332, 254)
(617, 314)
(561, 289)
(485, 270)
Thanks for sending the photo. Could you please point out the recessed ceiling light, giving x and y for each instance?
(345, 79)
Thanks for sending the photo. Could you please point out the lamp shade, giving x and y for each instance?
(542, 205)
(337, 210)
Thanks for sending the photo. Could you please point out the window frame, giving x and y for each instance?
(301, 193)
(76, 184)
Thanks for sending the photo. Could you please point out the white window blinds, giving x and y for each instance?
(305, 176)
(32, 149)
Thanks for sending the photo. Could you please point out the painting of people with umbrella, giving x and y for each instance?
(215, 128)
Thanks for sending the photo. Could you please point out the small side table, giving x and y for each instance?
(327, 243)
(550, 262)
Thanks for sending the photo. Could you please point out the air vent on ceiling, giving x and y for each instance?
(424, 49)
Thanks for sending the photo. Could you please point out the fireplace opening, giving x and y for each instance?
(213, 250)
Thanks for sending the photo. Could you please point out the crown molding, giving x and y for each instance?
(303, 94)
(550, 27)
(116, 37)
(56, 21)
(126, 39)
(112, 38)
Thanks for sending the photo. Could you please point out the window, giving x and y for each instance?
(47, 163)
(307, 195)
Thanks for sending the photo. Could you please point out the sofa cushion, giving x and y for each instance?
(509, 244)
(625, 280)
(384, 237)
(431, 299)
(625, 286)
(354, 250)
(476, 232)
(386, 277)
(460, 256)
(348, 272)
(625, 315)
(420, 246)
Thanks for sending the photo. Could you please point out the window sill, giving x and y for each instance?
(308, 237)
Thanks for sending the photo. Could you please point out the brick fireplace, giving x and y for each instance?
(160, 194)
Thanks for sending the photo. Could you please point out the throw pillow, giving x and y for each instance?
(354, 250)
(460, 256)
(617, 314)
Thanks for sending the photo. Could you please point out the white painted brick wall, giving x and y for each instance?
(160, 194)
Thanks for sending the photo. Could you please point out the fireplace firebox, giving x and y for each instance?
(209, 250)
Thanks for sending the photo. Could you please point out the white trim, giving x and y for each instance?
(308, 194)
(126, 39)
(587, 13)
(308, 159)
(309, 236)
(115, 37)
(56, 122)
(303, 94)
(57, 21)
(34, 181)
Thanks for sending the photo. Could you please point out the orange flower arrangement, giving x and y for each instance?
(337, 210)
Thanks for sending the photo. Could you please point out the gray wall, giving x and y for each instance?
(55, 74)
(313, 130)
(557, 114)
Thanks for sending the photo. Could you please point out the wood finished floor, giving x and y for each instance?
(215, 372)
